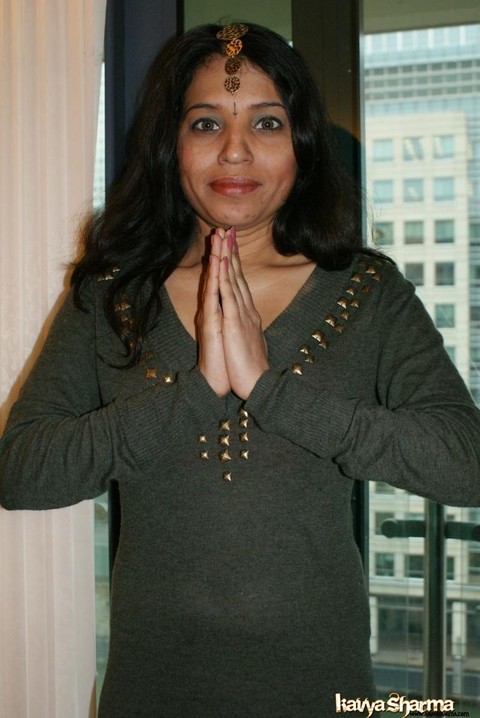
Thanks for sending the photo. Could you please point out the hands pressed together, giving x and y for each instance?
(232, 348)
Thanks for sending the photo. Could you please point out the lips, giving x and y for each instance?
(234, 186)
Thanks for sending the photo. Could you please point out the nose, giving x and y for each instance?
(236, 147)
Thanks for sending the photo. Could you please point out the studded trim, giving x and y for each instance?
(226, 446)
(360, 284)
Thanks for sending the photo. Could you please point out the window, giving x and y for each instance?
(475, 232)
(445, 315)
(475, 274)
(413, 566)
(384, 564)
(412, 148)
(475, 355)
(414, 273)
(380, 517)
(381, 487)
(474, 565)
(450, 568)
(475, 314)
(383, 233)
(413, 190)
(413, 232)
(444, 231)
(443, 189)
(451, 353)
(443, 147)
(444, 274)
(382, 150)
(383, 191)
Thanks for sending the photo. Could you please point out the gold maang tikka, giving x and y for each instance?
(231, 35)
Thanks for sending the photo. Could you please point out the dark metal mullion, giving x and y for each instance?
(435, 601)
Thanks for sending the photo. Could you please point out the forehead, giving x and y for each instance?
(208, 84)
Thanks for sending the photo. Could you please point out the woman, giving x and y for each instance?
(234, 360)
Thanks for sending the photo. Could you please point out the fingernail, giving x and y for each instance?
(230, 241)
(225, 261)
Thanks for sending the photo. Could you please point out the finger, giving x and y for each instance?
(241, 283)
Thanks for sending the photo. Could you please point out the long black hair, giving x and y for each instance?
(147, 225)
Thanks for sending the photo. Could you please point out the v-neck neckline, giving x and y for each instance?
(271, 326)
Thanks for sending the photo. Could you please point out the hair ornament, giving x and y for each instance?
(231, 35)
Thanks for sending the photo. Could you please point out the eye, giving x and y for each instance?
(205, 124)
(268, 123)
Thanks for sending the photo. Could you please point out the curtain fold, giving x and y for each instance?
(50, 64)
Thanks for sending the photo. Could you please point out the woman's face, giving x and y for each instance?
(237, 164)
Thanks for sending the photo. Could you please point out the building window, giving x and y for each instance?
(444, 274)
(475, 355)
(445, 315)
(451, 353)
(414, 566)
(444, 231)
(450, 568)
(382, 150)
(475, 314)
(412, 148)
(474, 566)
(413, 232)
(475, 274)
(383, 191)
(413, 190)
(414, 273)
(383, 233)
(381, 487)
(443, 189)
(474, 232)
(443, 147)
(475, 392)
(384, 564)
(380, 517)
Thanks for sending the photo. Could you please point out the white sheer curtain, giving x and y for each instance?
(50, 61)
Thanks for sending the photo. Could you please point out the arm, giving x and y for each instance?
(62, 446)
(422, 434)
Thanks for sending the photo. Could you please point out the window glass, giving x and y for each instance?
(414, 272)
(474, 232)
(444, 273)
(414, 566)
(383, 191)
(445, 315)
(383, 233)
(381, 487)
(383, 150)
(451, 351)
(443, 146)
(384, 564)
(431, 115)
(413, 232)
(444, 231)
(443, 189)
(413, 190)
(475, 275)
(412, 148)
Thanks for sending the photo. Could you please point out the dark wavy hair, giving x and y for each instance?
(147, 225)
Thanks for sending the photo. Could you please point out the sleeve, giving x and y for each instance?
(62, 446)
(421, 434)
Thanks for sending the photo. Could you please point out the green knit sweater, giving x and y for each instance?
(238, 589)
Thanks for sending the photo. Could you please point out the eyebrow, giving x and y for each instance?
(209, 106)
